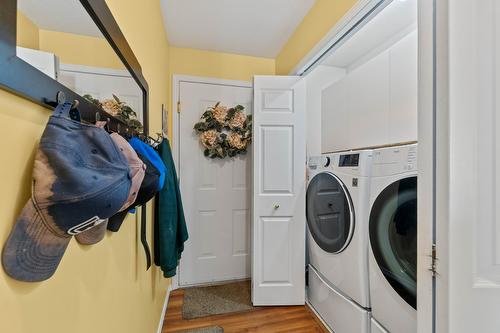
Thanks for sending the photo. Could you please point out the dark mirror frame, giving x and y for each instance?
(20, 78)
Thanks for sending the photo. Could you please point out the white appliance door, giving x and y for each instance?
(393, 253)
(216, 192)
(330, 213)
(279, 185)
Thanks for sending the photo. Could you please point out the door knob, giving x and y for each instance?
(276, 206)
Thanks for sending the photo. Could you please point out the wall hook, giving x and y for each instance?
(60, 97)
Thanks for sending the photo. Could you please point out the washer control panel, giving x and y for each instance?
(349, 160)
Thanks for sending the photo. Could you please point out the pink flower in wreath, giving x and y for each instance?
(111, 106)
(238, 120)
(220, 113)
(235, 141)
(208, 138)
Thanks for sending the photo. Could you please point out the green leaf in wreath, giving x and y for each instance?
(230, 113)
(117, 99)
(135, 124)
(200, 127)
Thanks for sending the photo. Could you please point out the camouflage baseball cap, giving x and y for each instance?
(80, 178)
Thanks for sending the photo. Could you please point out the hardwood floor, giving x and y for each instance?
(291, 319)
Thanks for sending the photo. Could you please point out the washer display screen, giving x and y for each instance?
(330, 213)
(393, 236)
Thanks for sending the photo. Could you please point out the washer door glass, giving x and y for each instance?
(393, 236)
(330, 214)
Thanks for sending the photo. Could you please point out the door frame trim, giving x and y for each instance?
(433, 181)
(176, 85)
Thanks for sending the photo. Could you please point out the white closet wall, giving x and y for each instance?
(375, 103)
(319, 78)
(403, 90)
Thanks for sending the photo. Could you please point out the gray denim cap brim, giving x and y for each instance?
(32, 252)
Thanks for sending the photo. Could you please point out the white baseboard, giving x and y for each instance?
(164, 310)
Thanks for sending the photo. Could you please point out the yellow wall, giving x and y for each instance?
(318, 22)
(218, 65)
(142, 24)
(27, 32)
(185, 61)
(70, 48)
(103, 288)
(79, 49)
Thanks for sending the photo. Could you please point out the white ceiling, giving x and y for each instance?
(392, 23)
(59, 15)
(250, 27)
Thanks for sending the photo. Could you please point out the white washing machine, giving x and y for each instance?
(337, 219)
(393, 239)
(375, 327)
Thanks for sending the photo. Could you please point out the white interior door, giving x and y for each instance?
(468, 161)
(279, 157)
(216, 193)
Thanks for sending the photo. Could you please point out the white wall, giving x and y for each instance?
(375, 103)
(320, 78)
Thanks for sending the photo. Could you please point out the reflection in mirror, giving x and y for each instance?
(59, 38)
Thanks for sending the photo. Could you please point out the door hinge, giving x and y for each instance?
(178, 106)
(434, 259)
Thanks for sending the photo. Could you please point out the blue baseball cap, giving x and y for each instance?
(148, 152)
(80, 179)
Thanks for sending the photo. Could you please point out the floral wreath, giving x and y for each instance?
(224, 132)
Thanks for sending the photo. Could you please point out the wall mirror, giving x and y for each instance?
(74, 47)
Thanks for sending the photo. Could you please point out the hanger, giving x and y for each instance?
(74, 113)
(164, 121)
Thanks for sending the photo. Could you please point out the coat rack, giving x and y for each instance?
(113, 124)
(27, 81)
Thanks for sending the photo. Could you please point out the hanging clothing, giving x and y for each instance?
(152, 155)
(170, 229)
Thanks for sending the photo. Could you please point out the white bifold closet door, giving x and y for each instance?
(468, 167)
(279, 185)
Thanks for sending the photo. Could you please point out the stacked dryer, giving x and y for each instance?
(393, 240)
(337, 219)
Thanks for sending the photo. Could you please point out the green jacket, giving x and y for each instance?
(170, 231)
